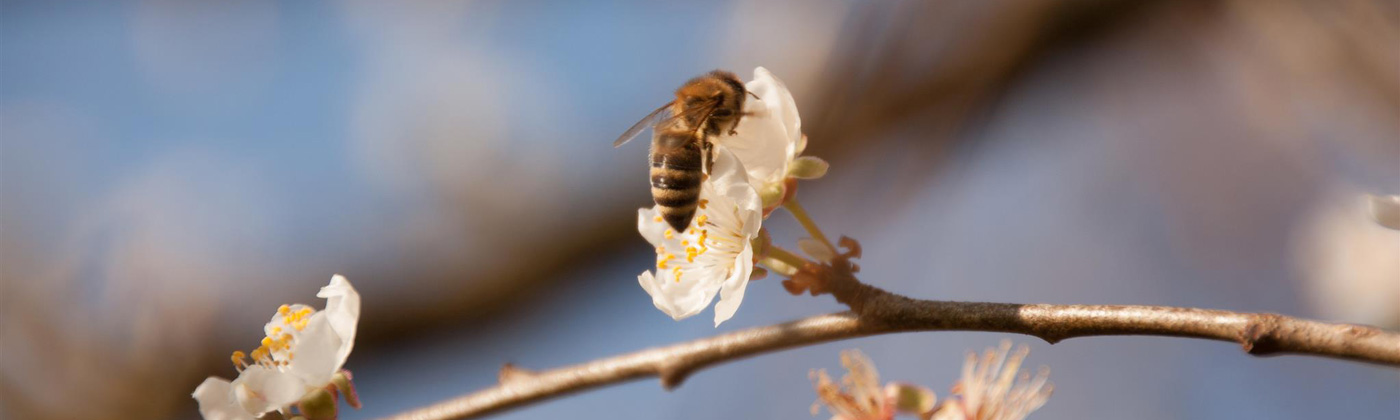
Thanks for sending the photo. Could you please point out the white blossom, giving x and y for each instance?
(714, 254)
(860, 396)
(769, 140)
(1348, 251)
(990, 389)
(303, 351)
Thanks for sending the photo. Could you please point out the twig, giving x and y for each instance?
(1259, 334)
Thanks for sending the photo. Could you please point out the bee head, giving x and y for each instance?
(716, 97)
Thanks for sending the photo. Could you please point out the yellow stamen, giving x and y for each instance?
(704, 235)
(237, 360)
(669, 234)
(283, 310)
(702, 207)
(700, 221)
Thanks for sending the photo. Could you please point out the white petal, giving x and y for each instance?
(730, 179)
(681, 299)
(951, 410)
(767, 86)
(732, 190)
(216, 401)
(343, 314)
(768, 139)
(732, 291)
(651, 229)
(260, 390)
(728, 172)
(315, 353)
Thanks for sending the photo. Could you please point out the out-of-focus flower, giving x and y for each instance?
(860, 396)
(298, 363)
(769, 139)
(1386, 210)
(714, 254)
(1349, 257)
(990, 389)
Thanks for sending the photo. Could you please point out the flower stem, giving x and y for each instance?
(800, 214)
(782, 261)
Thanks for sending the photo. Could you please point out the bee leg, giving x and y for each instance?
(707, 149)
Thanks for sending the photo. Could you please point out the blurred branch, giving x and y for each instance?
(885, 313)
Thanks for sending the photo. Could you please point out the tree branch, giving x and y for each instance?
(882, 313)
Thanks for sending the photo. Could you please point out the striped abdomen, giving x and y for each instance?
(676, 162)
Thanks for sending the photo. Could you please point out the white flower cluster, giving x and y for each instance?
(297, 368)
(751, 170)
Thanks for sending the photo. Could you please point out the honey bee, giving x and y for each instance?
(680, 158)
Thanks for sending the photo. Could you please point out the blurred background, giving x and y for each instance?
(171, 171)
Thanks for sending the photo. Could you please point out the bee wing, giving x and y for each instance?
(660, 114)
(700, 112)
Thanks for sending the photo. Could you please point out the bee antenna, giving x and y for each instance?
(753, 95)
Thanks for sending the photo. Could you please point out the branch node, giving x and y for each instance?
(672, 375)
(1259, 335)
(510, 374)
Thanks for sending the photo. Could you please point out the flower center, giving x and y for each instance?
(697, 242)
(275, 350)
